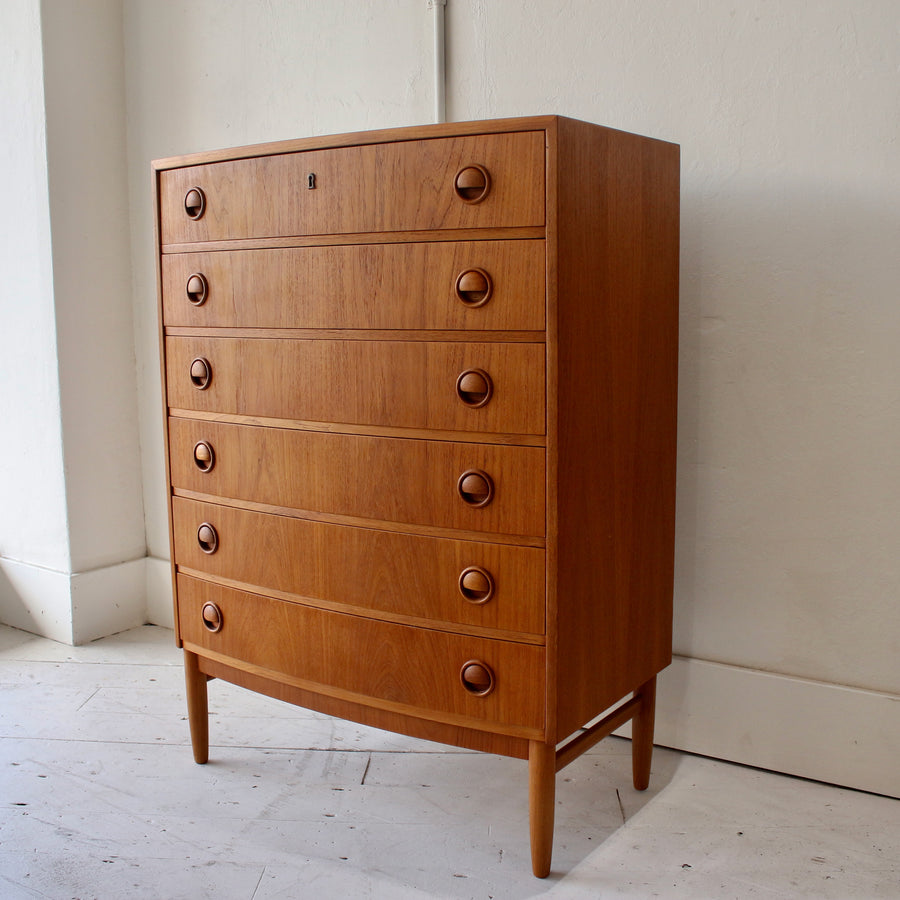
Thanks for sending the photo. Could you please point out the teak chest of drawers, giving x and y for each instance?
(420, 391)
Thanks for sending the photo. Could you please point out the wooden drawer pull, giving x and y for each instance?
(195, 203)
(477, 678)
(476, 584)
(208, 538)
(474, 387)
(474, 287)
(204, 456)
(475, 487)
(201, 373)
(212, 617)
(197, 289)
(472, 184)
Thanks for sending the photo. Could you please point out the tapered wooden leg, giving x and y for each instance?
(541, 801)
(198, 711)
(642, 735)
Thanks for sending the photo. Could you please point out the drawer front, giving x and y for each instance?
(486, 285)
(397, 480)
(461, 582)
(403, 186)
(406, 384)
(395, 666)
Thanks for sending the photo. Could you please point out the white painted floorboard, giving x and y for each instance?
(100, 798)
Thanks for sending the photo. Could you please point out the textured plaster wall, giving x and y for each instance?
(787, 113)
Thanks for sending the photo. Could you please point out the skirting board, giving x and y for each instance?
(826, 732)
(73, 608)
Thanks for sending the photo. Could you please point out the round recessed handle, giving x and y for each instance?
(211, 616)
(197, 289)
(204, 456)
(472, 184)
(475, 487)
(195, 203)
(477, 677)
(208, 538)
(476, 584)
(474, 387)
(474, 287)
(201, 373)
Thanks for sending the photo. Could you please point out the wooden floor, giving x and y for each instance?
(100, 798)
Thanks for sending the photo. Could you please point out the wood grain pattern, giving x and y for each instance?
(486, 537)
(392, 573)
(277, 686)
(616, 321)
(583, 740)
(524, 233)
(642, 734)
(198, 708)
(408, 481)
(552, 437)
(541, 805)
(351, 139)
(367, 188)
(160, 311)
(408, 384)
(405, 668)
(371, 286)
(348, 334)
(426, 434)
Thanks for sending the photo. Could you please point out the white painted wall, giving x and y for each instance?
(84, 89)
(33, 526)
(71, 522)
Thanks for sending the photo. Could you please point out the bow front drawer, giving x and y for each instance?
(454, 385)
(469, 583)
(481, 181)
(444, 484)
(465, 285)
(455, 678)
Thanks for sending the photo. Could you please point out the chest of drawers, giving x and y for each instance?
(420, 398)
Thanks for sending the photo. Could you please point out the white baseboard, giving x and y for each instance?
(826, 732)
(73, 608)
(108, 600)
(37, 600)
